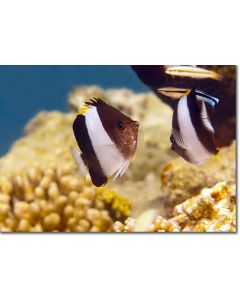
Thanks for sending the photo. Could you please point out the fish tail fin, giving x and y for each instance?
(78, 159)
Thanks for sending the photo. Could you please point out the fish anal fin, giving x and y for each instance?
(78, 159)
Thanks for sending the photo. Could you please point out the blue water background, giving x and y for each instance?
(26, 90)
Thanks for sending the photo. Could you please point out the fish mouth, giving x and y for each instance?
(173, 92)
(192, 72)
(130, 142)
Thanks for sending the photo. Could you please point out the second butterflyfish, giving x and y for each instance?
(193, 127)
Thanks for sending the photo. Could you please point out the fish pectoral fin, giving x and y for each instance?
(205, 119)
(122, 169)
(78, 159)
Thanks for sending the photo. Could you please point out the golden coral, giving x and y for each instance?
(119, 205)
(55, 199)
(213, 210)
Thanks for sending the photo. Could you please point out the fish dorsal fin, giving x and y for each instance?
(78, 159)
(205, 119)
(94, 102)
(88, 103)
(178, 138)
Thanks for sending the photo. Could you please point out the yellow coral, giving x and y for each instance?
(120, 205)
(56, 199)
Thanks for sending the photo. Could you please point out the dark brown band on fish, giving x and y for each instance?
(89, 157)
(205, 137)
(97, 178)
(175, 123)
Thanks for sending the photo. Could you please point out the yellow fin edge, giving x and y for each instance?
(83, 108)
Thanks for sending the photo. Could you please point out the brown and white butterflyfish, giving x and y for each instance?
(107, 140)
(193, 126)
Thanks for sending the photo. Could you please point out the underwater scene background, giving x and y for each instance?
(41, 189)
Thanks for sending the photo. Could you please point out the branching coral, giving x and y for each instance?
(213, 209)
(56, 199)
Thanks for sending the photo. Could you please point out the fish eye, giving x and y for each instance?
(120, 125)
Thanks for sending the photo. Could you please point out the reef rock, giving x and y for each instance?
(46, 139)
(213, 210)
(181, 180)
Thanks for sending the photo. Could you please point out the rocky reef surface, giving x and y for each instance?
(41, 188)
(214, 209)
